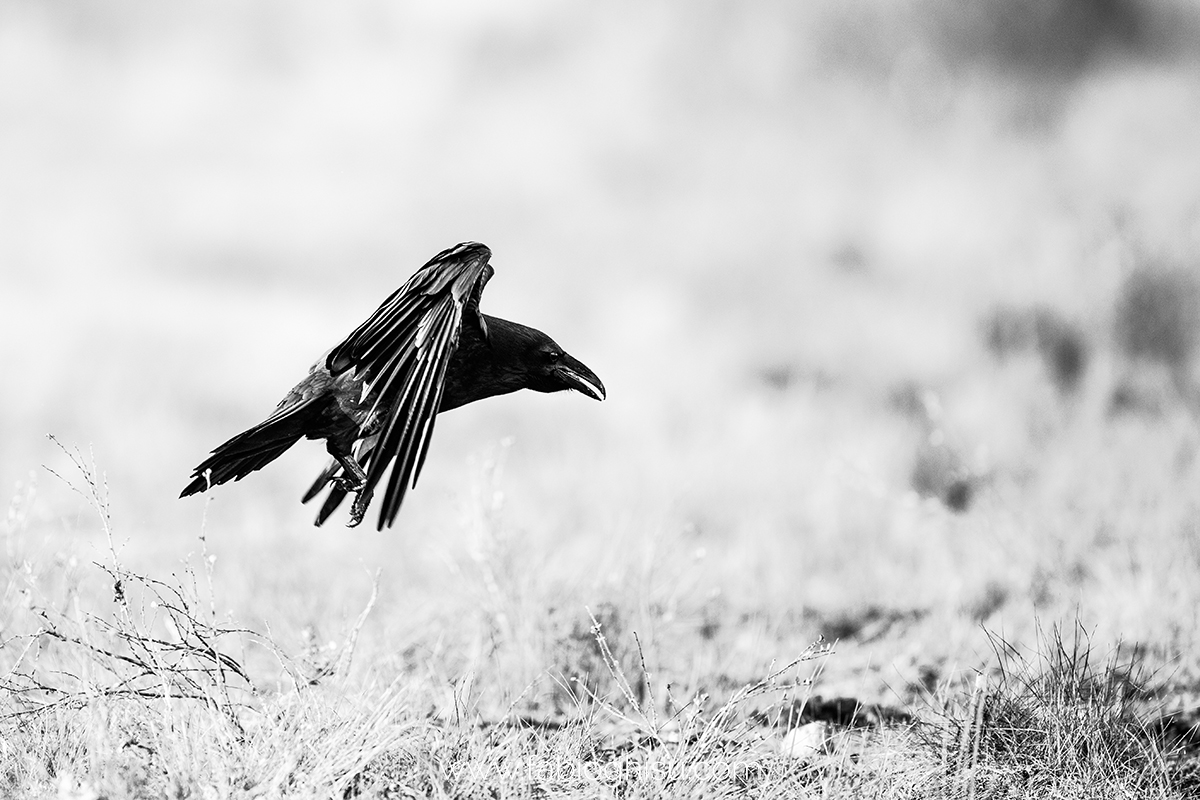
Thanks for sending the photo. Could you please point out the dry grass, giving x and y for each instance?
(121, 684)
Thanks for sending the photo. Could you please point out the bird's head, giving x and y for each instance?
(529, 359)
(552, 369)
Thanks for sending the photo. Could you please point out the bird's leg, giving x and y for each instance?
(357, 478)
(359, 508)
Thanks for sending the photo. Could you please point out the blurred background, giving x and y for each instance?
(896, 303)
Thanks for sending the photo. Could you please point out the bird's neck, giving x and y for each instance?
(483, 368)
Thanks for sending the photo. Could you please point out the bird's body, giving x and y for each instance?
(373, 398)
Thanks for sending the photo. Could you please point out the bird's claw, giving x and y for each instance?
(357, 510)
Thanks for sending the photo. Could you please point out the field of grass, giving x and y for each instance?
(896, 492)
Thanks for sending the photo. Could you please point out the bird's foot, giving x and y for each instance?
(349, 483)
(357, 511)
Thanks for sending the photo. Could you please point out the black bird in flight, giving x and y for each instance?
(374, 397)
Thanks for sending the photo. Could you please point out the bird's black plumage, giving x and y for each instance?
(374, 397)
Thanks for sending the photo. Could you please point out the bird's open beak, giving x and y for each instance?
(574, 374)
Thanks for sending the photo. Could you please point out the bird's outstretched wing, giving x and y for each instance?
(402, 351)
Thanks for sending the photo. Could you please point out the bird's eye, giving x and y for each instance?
(553, 355)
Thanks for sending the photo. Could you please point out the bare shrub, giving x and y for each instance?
(156, 641)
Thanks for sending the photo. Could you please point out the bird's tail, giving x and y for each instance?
(253, 449)
(362, 454)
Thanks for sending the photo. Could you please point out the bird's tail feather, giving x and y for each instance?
(252, 449)
(336, 493)
(322, 480)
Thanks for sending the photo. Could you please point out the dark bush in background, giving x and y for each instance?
(1060, 343)
(1158, 316)
(1058, 36)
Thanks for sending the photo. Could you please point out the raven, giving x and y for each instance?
(373, 398)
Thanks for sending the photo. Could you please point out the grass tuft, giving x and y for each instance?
(1059, 720)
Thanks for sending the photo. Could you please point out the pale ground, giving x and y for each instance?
(775, 235)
